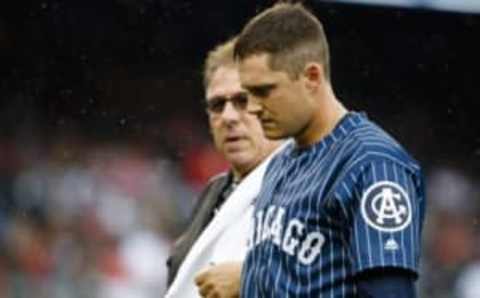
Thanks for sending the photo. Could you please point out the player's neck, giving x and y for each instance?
(328, 113)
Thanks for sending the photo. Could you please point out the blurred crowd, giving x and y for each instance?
(451, 257)
(84, 218)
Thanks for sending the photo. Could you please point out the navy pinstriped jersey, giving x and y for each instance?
(353, 201)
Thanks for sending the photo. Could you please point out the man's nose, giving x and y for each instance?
(229, 112)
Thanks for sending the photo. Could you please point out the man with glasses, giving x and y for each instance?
(207, 258)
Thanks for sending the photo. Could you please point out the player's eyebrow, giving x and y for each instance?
(260, 90)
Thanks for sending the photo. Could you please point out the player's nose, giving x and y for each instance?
(254, 106)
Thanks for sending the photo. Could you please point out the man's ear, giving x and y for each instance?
(314, 75)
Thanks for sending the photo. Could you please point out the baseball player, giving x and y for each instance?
(341, 209)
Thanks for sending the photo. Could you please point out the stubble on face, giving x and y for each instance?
(284, 110)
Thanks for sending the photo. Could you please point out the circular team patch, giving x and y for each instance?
(386, 207)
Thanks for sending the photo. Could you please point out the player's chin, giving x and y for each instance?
(274, 134)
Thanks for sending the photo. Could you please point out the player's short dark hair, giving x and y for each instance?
(290, 34)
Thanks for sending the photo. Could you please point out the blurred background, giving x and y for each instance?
(104, 142)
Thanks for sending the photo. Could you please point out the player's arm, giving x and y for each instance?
(386, 283)
(383, 202)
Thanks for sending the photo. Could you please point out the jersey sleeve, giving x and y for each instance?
(383, 202)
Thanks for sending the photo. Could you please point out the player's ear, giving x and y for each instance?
(314, 75)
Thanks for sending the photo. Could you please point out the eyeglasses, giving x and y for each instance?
(216, 104)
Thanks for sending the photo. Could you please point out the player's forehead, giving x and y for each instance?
(255, 71)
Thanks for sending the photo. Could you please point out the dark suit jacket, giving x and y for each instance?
(200, 218)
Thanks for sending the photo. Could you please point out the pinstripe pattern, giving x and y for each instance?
(351, 202)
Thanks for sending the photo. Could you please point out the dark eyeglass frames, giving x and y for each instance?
(216, 104)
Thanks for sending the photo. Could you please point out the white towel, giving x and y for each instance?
(225, 237)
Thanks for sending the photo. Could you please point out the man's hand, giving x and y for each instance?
(220, 281)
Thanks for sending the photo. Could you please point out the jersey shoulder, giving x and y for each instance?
(368, 142)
